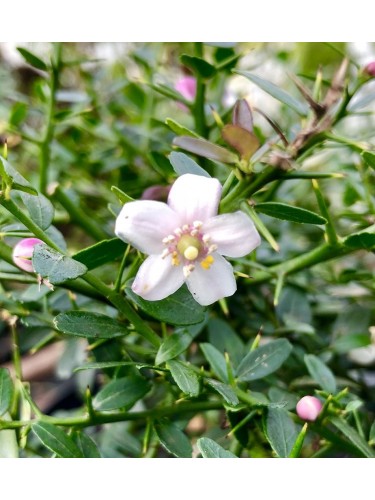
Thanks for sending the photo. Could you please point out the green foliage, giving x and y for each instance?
(140, 378)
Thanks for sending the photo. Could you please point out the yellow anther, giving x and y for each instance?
(191, 253)
(207, 262)
(175, 259)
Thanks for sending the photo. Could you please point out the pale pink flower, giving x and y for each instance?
(185, 240)
(308, 408)
(23, 252)
(370, 68)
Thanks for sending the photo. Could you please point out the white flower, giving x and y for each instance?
(185, 240)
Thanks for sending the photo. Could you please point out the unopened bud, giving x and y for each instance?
(369, 69)
(23, 252)
(158, 193)
(308, 408)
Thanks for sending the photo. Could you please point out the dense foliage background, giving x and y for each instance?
(88, 368)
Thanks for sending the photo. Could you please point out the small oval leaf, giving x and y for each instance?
(210, 449)
(121, 393)
(173, 439)
(216, 361)
(186, 379)
(6, 391)
(173, 346)
(56, 440)
(178, 309)
(224, 390)
(288, 212)
(182, 164)
(264, 360)
(276, 92)
(89, 325)
(103, 252)
(204, 148)
(198, 66)
(54, 266)
(281, 431)
(320, 373)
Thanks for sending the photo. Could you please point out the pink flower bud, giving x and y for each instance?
(158, 193)
(308, 408)
(370, 69)
(187, 86)
(23, 252)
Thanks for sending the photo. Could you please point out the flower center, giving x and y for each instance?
(188, 245)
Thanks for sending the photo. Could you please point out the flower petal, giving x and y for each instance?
(195, 197)
(157, 278)
(145, 223)
(234, 234)
(209, 285)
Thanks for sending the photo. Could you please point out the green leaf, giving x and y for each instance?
(56, 440)
(198, 66)
(182, 164)
(101, 365)
(297, 447)
(216, 361)
(243, 141)
(346, 343)
(121, 196)
(222, 336)
(177, 309)
(40, 209)
(32, 59)
(103, 252)
(264, 360)
(179, 129)
(288, 212)
(186, 379)
(6, 391)
(170, 93)
(24, 189)
(320, 373)
(362, 240)
(372, 434)
(8, 440)
(173, 439)
(204, 148)
(173, 346)
(18, 114)
(224, 390)
(86, 445)
(276, 92)
(210, 449)
(89, 325)
(293, 307)
(121, 393)
(54, 266)
(353, 437)
(281, 431)
(369, 158)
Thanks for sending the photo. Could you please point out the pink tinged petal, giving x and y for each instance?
(23, 252)
(308, 408)
(234, 234)
(145, 223)
(209, 285)
(195, 197)
(157, 278)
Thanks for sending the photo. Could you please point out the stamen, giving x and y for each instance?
(178, 231)
(191, 253)
(185, 227)
(188, 269)
(207, 262)
(169, 238)
(194, 232)
(206, 238)
(175, 259)
(212, 248)
(165, 253)
(197, 224)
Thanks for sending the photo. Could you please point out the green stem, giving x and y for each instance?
(78, 215)
(45, 144)
(16, 352)
(330, 228)
(198, 108)
(120, 416)
(121, 270)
